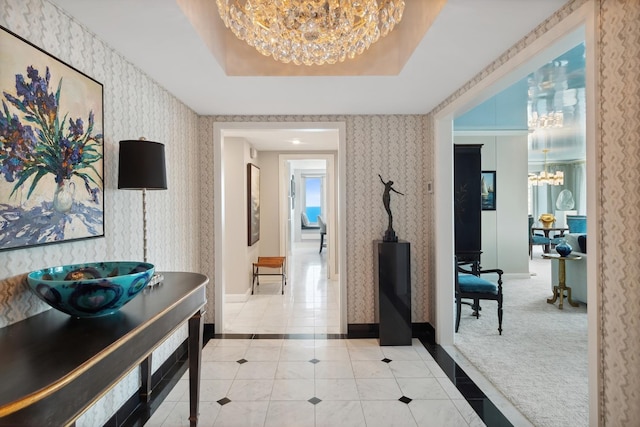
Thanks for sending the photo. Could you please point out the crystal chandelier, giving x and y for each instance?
(545, 177)
(310, 32)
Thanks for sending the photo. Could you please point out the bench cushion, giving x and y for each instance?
(471, 283)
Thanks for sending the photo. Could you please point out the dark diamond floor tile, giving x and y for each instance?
(314, 361)
(385, 360)
(314, 400)
(241, 361)
(405, 399)
(224, 401)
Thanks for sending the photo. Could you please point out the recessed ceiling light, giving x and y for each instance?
(295, 141)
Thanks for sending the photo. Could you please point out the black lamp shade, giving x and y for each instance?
(142, 165)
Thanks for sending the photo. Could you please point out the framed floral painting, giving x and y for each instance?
(51, 148)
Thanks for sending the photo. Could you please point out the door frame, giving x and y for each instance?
(580, 25)
(339, 213)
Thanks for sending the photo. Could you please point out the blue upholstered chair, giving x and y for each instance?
(577, 223)
(470, 285)
(535, 239)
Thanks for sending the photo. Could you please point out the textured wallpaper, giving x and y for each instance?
(134, 106)
(619, 219)
(392, 146)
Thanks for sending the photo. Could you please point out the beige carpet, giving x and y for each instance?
(540, 361)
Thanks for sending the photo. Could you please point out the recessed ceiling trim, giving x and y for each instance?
(385, 57)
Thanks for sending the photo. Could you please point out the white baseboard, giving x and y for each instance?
(237, 297)
(507, 276)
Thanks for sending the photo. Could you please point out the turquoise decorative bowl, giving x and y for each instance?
(92, 289)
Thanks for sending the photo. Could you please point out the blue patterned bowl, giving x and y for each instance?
(92, 289)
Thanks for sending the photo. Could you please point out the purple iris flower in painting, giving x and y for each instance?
(21, 142)
(49, 143)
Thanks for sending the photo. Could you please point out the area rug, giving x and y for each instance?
(539, 363)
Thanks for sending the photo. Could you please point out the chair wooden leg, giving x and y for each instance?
(500, 316)
(321, 242)
(458, 310)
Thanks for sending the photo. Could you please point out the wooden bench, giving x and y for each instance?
(272, 262)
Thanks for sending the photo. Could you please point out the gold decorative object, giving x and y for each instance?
(547, 220)
(310, 32)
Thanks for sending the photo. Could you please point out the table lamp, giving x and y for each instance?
(142, 167)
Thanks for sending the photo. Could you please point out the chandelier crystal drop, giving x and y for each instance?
(546, 178)
(310, 32)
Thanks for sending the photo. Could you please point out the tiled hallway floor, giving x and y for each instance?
(310, 304)
(318, 382)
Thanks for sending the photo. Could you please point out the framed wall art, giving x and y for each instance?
(488, 190)
(51, 148)
(253, 192)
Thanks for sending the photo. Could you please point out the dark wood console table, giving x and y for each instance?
(53, 367)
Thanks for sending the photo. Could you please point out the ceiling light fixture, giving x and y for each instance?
(556, 178)
(310, 32)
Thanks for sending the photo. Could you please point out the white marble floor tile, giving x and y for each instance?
(295, 370)
(467, 412)
(400, 353)
(334, 369)
(225, 354)
(410, 369)
(378, 389)
(387, 413)
(178, 391)
(343, 414)
(371, 369)
(257, 371)
(248, 390)
(242, 414)
(179, 416)
(450, 388)
(293, 389)
(422, 388)
(290, 414)
(365, 353)
(336, 389)
(219, 370)
(211, 390)
(297, 353)
(440, 413)
(332, 353)
(262, 354)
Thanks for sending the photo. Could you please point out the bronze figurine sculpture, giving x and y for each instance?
(389, 235)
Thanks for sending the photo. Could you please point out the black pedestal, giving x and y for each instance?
(394, 291)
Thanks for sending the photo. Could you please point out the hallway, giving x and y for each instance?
(310, 304)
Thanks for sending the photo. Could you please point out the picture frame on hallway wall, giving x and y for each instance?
(488, 190)
(253, 193)
(51, 148)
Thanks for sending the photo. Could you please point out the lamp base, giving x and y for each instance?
(155, 280)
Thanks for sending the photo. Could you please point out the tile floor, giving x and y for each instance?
(301, 379)
(318, 382)
(310, 304)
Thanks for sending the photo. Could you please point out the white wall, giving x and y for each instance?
(269, 207)
(237, 271)
(505, 241)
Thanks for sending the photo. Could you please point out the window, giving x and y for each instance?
(313, 197)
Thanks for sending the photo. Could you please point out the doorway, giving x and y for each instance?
(278, 189)
(579, 26)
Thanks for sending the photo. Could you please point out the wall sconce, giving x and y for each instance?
(142, 167)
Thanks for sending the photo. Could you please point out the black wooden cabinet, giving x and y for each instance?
(467, 176)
